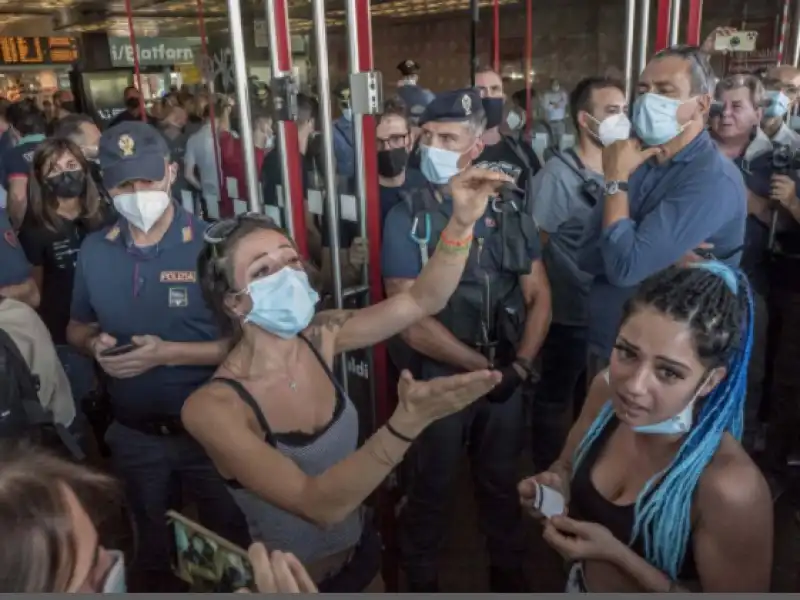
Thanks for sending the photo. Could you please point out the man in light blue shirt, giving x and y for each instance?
(664, 200)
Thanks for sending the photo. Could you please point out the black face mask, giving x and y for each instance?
(69, 184)
(132, 103)
(494, 111)
(68, 106)
(392, 162)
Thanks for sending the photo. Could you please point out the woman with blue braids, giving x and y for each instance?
(659, 493)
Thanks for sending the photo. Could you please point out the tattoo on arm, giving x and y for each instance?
(329, 321)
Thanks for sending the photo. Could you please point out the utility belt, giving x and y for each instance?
(163, 426)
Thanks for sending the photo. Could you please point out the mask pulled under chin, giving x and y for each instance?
(115, 579)
(438, 165)
(143, 209)
(678, 424)
(283, 303)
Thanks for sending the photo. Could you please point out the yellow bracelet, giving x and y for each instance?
(451, 248)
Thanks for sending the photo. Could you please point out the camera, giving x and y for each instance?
(784, 160)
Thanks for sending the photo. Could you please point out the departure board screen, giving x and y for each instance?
(37, 50)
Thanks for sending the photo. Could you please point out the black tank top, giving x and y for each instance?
(587, 504)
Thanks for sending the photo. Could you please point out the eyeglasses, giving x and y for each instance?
(221, 230)
(393, 141)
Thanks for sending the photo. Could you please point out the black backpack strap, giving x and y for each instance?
(576, 167)
(35, 414)
(519, 153)
(248, 399)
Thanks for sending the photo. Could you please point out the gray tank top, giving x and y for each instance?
(314, 454)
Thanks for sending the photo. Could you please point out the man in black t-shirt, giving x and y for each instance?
(502, 153)
(29, 124)
(133, 107)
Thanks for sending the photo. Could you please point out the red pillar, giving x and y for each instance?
(695, 22)
(662, 25)
(292, 149)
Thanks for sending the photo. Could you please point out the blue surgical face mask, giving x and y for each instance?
(283, 303)
(678, 424)
(438, 165)
(347, 113)
(655, 119)
(778, 104)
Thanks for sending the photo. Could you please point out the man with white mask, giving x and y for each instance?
(668, 192)
(565, 191)
(782, 84)
(138, 310)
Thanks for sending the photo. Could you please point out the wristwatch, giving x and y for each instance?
(613, 187)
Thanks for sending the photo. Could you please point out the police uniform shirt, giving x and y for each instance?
(56, 253)
(17, 160)
(14, 267)
(132, 291)
(400, 254)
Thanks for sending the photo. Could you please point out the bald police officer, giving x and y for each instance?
(498, 316)
(137, 309)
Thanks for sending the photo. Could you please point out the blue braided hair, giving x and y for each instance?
(715, 301)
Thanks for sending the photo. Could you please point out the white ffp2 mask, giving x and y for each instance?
(144, 208)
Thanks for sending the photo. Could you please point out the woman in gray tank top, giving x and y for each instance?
(274, 420)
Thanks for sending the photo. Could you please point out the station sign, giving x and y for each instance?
(152, 52)
(38, 51)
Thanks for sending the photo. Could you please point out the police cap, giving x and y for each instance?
(132, 150)
(342, 92)
(416, 99)
(459, 105)
(408, 67)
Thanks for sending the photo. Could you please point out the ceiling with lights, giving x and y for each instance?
(179, 17)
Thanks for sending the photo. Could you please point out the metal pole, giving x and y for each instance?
(291, 174)
(208, 77)
(243, 100)
(630, 32)
(644, 32)
(331, 198)
(529, 67)
(796, 26)
(784, 30)
(675, 25)
(496, 36)
(475, 15)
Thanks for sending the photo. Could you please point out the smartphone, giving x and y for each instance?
(206, 561)
(741, 41)
(118, 350)
(548, 501)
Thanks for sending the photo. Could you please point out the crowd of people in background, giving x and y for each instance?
(587, 300)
